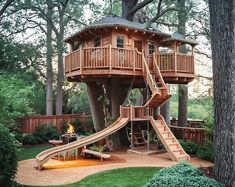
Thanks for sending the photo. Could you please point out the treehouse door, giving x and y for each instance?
(138, 45)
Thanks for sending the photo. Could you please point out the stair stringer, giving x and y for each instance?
(183, 155)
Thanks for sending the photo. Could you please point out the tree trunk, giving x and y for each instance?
(60, 75)
(94, 92)
(182, 89)
(117, 96)
(222, 17)
(165, 112)
(49, 89)
(126, 6)
(182, 108)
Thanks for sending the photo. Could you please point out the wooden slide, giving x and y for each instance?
(44, 156)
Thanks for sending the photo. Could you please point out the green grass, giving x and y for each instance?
(123, 177)
(30, 152)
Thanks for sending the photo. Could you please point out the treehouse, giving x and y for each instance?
(116, 47)
(115, 54)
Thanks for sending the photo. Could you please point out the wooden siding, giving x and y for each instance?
(29, 124)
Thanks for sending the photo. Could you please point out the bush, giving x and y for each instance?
(29, 139)
(206, 151)
(189, 146)
(8, 158)
(181, 175)
(44, 133)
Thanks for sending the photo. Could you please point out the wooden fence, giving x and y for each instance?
(196, 135)
(29, 124)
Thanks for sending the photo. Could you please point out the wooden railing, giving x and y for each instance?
(166, 61)
(185, 63)
(196, 135)
(112, 57)
(175, 62)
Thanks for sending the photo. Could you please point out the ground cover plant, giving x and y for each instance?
(181, 175)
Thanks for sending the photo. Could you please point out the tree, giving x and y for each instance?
(4, 5)
(49, 77)
(130, 7)
(222, 21)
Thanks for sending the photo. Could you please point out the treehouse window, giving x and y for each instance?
(151, 48)
(97, 42)
(120, 41)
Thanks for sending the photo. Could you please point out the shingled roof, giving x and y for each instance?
(179, 37)
(112, 22)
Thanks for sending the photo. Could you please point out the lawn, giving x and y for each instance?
(31, 152)
(124, 177)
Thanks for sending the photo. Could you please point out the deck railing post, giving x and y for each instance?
(133, 59)
(110, 57)
(175, 55)
(193, 64)
(81, 61)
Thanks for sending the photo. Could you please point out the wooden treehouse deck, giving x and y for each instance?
(87, 63)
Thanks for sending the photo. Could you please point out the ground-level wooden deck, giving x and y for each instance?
(111, 61)
(28, 175)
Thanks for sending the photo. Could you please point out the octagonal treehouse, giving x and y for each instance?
(113, 47)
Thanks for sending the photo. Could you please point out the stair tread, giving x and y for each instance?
(182, 156)
(174, 150)
(173, 143)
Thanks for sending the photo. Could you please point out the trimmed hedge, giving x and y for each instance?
(8, 159)
(189, 146)
(206, 151)
(181, 175)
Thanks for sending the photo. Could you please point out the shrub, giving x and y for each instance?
(8, 158)
(29, 139)
(206, 151)
(44, 133)
(189, 146)
(181, 175)
(96, 148)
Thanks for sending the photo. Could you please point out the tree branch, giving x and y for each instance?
(158, 15)
(139, 6)
(7, 4)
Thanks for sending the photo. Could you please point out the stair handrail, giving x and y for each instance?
(152, 85)
(158, 72)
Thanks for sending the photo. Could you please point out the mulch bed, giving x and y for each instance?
(209, 172)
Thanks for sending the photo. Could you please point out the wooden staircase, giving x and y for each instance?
(168, 139)
(158, 97)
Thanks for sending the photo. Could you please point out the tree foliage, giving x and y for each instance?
(8, 158)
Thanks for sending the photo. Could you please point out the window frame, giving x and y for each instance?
(98, 39)
(117, 43)
(152, 49)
